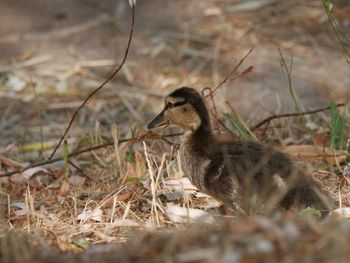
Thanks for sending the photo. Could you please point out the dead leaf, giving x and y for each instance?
(13, 179)
(15, 83)
(27, 174)
(20, 208)
(181, 185)
(178, 214)
(28, 54)
(209, 204)
(341, 213)
(322, 139)
(126, 223)
(212, 11)
(76, 180)
(310, 152)
(62, 243)
(64, 189)
(8, 148)
(131, 170)
(88, 214)
(104, 237)
(124, 197)
(346, 170)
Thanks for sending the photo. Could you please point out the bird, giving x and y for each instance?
(243, 174)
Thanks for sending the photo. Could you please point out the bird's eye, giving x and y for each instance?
(169, 105)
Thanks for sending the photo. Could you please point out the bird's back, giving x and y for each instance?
(248, 172)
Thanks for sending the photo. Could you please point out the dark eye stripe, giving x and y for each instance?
(179, 103)
(176, 104)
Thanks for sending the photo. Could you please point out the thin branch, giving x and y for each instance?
(215, 118)
(229, 75)
(293, 114)
(228, 78)
(288, 71)
(211, 98)
(246, 71)
(38, 109)
(101, 86)
(145, 136)
(342, 39)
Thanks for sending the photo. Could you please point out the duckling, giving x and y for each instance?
(235, 172)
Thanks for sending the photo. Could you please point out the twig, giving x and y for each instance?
(229, 75)
(247, 70)
(101, 86)
(293, 114)
(153, 185)
(145, 136)
(215, 113)
(228, 78)
(288, 71)
(28, 63)
(97, 63)
(211, 98)
(342, 39)
(39, 113)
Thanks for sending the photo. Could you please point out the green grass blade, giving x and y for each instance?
(237, 126)
(337, 130)
(342, 39)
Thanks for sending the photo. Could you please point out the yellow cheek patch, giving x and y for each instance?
(183, 115)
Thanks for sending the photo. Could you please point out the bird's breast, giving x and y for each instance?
(194, 165)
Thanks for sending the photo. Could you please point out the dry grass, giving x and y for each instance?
(254, 239)
(112, 194)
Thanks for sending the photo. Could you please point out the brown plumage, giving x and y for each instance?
(245, 174)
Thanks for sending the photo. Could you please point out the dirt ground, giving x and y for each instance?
(53, 53)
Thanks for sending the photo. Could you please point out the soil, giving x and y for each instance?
(173, 39)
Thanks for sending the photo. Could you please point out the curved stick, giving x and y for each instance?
(101, 86)
(293, 114)
(145, 136)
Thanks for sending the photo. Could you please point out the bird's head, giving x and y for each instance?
(184, 107)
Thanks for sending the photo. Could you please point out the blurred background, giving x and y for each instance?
(53, 53)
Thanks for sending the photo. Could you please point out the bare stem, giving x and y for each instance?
(101, 86)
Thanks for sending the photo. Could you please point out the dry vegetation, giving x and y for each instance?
(127, 200)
